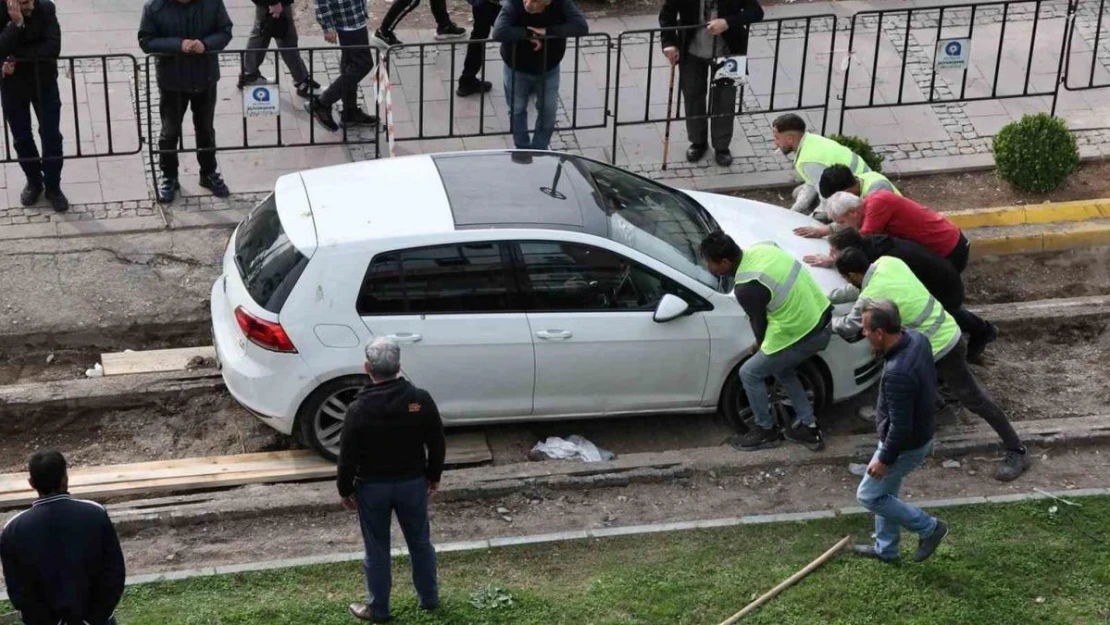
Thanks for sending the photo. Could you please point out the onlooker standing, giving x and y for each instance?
(344, 22)
(695, 51)
(904, 418)
(30, 41)
(532, 61)
(485, 13)
(445, 29)
(390, 459)
(62, 560)
(273, 19)
(182, 33)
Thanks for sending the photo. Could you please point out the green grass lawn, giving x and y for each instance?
(1008, 564)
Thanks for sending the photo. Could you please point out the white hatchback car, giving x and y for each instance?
(521, 285)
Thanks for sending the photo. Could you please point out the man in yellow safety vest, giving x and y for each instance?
(890, 278)
(813, 155)
(790, 318)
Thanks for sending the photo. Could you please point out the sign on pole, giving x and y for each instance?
(260, 101)
(953, 53)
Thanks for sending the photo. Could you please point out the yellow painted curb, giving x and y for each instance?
(1080, 210)
(1072, 237)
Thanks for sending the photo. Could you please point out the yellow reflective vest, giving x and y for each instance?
(797, 302)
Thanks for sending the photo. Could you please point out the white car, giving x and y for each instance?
(521, 286)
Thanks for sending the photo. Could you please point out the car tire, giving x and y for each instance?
(314, 425)
(734, 401)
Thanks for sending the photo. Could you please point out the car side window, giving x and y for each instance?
(574, 277)
(458, 278)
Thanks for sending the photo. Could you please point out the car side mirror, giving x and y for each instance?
(671, 307)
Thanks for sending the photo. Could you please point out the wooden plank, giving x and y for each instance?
(468, 448)
(153, 361)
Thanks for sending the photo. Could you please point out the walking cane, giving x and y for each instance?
(667, 129)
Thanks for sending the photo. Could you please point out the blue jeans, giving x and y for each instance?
(783, 365)
(18, 101)
(377, 501)
(891, 515)
(519, 88)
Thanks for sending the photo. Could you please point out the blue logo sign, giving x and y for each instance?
(953, 49)
(261, 95)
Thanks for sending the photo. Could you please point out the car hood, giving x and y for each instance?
(749, 222)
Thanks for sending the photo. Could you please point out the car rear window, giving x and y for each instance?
(268, 262)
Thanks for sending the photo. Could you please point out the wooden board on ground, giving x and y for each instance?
(153, 361)
(468, 448)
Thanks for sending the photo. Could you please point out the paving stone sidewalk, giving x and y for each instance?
(107, 105)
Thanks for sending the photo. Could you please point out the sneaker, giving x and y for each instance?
(214, 182)
(361, 611)
(58, 200)
(977, 344)
(926, 546)
(31, 193)
(757, 438)
(384, 40)
(321, 113)
(868, 551)
(866, 413)
(1013, 465)
(471, 87)
(808, 435)
(308, 88)
(250, 79)
(450, 31)
(357, 117)
(168, 189)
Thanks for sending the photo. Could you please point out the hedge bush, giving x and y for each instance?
(1036, 153)
(863, 148)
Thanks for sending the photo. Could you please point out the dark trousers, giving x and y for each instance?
(970, 323)
(959, 255)
(18, 101)
(354, 65)
(257, 43)
(172, 109)
(694, 80)
(954, 373)
(400, 8)
(485, 14)
(377, 501)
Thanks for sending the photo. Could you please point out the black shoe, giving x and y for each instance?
(977, 344)
(321, 113)
(926, 546)
(868, 551)
(58, 200)
(308, 88)
(214, 182)
(167, 190)
(757, 438)
(357, 117)
(695, 152)
(361, 611)
(470, 87)
(808, 435)
(250, 79)
(1013, 465)
(724, 158)
(31, 193)
(450, 31)
(383, 40)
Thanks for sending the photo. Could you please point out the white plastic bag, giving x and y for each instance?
(573, 447)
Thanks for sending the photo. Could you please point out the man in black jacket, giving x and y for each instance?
(698, 33)
(184, 33)
(62, 560)
(904, 418)
(273, 19)
(30, 41)
(391, 458)
(533, 35)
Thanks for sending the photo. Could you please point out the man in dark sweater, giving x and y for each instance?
(533, 42)
(62, 560)
(30, 41)
(390, 459)
(907, 392)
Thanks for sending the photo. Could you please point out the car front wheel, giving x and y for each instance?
(738, 412)
(321, 416)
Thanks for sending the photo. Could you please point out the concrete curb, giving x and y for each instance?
(631, 530)
(1051, 212)
(1068, 237)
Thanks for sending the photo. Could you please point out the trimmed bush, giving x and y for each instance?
(1036, 153)
(863, 148)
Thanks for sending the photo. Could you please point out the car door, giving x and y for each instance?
(598, 349)
(464, 337)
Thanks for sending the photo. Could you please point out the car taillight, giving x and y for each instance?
(265, 334)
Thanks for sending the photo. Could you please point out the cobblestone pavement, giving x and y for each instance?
(875, 72)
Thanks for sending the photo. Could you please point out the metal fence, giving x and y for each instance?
(1091, 55)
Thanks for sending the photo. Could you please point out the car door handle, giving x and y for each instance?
(406, 337)
(554, 334)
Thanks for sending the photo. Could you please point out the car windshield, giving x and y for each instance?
(654, 220)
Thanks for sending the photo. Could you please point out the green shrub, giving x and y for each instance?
(863, 148)
(1036, 154)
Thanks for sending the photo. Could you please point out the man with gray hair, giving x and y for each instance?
(391, 458)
